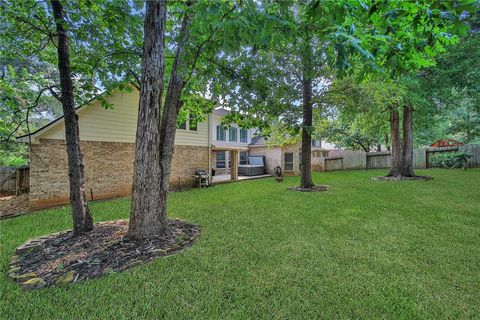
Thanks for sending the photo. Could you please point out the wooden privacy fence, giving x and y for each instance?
(382, 160)
(14, 180)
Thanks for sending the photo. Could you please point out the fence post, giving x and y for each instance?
(420, 158)
(17, 181)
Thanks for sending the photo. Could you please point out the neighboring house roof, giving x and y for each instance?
(446, 143)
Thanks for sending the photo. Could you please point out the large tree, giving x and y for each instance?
(148, 216)
(82, 217)
(57, 45)
(400, 38)
(354, 115)
(195, 32)
(298, 45)
(281, 72)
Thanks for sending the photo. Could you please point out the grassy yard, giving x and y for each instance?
(364, 249)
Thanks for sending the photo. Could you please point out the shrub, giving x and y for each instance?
(12, 161)
(449, 160)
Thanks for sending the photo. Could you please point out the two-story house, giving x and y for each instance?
(107, 139)
(226, 139)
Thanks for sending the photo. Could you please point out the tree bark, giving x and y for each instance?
(407, 142)
(148, 215)
(82, 218)
(173, 105)
(396, 169)
(306, 174)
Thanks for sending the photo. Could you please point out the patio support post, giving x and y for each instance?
(234, 165)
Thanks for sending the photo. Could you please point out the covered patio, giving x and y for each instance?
(230, 171)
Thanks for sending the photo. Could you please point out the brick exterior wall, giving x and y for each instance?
(274, 156)
(295, 149)
(108, 169)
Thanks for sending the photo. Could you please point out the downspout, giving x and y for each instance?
(209, 149)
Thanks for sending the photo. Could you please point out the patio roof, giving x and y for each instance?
(232, 148)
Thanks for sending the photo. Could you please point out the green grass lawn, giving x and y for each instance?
(364, 249)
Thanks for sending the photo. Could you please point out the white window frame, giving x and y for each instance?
(187, 124)
(285, 163)
(223, 133)
(246, 135)
(240, 157)
(230, 131)
(224, 160)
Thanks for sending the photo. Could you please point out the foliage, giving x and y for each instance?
(13, 156)
(407, 257)
(357, 113)
(103, 39)
(448, 160)
(262, 82)
(21, 109)
(396, 37)
(453, 88)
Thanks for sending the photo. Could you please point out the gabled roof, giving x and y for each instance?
(446, 143)
(258, 141)
(54, 123)
(31, 137)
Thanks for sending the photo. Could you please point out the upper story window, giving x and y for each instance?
(244, 135)
(182, 125)
(221, 133)
(232, 134)
(191, 123)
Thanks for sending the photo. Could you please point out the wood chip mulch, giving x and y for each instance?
(319, 188)
(59, 258)
(12, 206)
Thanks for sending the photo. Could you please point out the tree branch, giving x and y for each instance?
(200, 47)
(33, 106)
(137, 79)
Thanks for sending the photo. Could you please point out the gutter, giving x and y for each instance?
(209, 149)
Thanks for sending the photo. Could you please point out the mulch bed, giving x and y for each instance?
(319, 188)
(386, 178)
(12, 206)
(59, 258)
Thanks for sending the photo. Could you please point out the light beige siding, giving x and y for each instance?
(119, 124)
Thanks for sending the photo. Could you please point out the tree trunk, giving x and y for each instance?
(386, 142)
(396, 169)
(407, 142)
(82, 218)
(306, 175)
(148, 216)
(173, 104)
